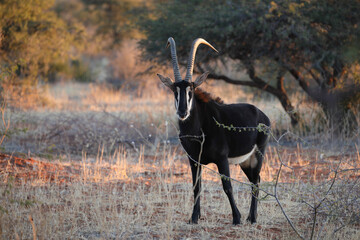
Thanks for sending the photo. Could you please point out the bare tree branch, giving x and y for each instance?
(317, 80)
(233, 81)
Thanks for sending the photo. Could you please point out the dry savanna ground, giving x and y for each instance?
(94, 163)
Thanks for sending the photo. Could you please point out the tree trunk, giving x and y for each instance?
(289, 109)
(279, 91)
(285, 101)
(342, 119)
(334, 102)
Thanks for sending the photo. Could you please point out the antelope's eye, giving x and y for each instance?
(190, 94)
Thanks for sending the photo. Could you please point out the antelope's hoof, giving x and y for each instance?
(193, 221)
(251, 220)
(236, 222)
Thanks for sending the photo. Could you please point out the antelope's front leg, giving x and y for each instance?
(196, 176)
(223, 167)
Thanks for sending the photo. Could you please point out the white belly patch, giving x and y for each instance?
(243, 158)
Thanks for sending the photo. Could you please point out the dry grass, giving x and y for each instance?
(83, 118)
(109, 166)
(135, 196)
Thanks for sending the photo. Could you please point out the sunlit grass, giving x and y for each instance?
(135, 195)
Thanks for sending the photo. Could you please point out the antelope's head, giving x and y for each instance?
(184, 89)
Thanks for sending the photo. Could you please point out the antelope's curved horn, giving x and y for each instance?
(190, 66)
(174, 60)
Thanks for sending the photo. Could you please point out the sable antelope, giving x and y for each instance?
(204, 141)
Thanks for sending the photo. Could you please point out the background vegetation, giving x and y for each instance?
(281, 46)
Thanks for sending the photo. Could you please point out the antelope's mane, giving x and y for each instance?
(205, 97)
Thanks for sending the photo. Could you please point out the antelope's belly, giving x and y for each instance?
(246, 160)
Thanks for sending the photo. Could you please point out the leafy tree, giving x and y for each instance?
(108, 22)
(34, 42)
(112, 18)
(314, 43)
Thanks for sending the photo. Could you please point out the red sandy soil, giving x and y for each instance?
(28, 169)
(310, 169)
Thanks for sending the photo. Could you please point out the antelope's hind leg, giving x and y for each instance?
(252, 171)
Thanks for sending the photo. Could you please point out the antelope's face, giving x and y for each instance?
(183, 93)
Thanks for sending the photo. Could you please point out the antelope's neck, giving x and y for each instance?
(193, 124)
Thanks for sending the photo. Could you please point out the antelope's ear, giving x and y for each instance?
(201, 79)
(166, 81)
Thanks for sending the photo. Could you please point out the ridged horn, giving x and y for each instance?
(190, 66)
(174, 60)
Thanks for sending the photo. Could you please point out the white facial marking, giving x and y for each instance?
(188, 104)
(242, 160)
(188, 99)
(178, 98)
